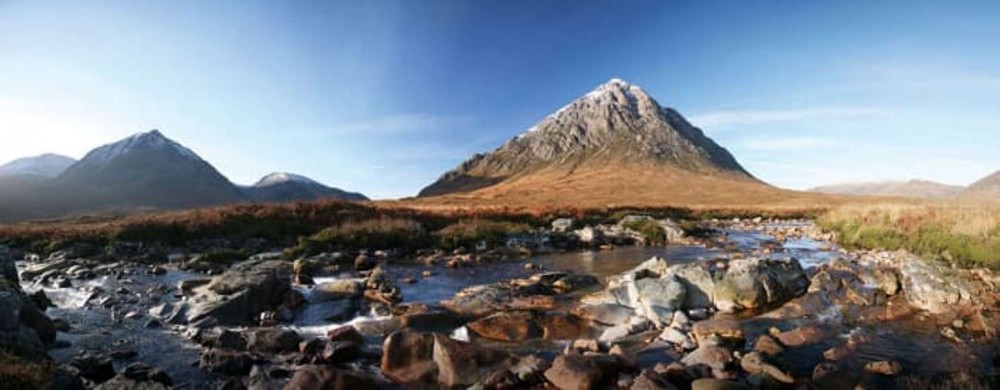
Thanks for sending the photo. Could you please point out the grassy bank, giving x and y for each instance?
(324, 225)
(965, 234)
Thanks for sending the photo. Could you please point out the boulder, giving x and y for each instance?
(754, 363)
(760, 283)
(507, 326)
(97, 369)
(574, 372)
(122, 382)
(313, 377)
(929, 288)
(408, 357)
(728, 329)
(658, 298)
(224, 362)
(718, 384)
(336, 289)
(714, 357)
(801, 336)
(465, 364)
(606, 314)
(273, 340)
(238, 296)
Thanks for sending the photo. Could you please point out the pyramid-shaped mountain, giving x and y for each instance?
(617, 129)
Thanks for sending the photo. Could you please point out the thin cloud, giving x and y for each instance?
(789, 143)
(720, 119)
(404, 123)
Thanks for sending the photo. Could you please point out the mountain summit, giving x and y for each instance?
(987, 188)
(287, 187)
(45, 166)
(616, 124)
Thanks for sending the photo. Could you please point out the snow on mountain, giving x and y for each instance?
(152, 140)
(283, 177)
(45, 166)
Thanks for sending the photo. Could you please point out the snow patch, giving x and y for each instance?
(150, 140)
(283, 177)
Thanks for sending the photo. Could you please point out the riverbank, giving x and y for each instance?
(750, 302)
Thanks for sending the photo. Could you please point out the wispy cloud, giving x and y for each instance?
(789, 143)
(721, 119)
(403, 123)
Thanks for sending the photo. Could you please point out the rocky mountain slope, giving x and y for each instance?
(987, 188)
(923, 189)
(618, 130)
(287, 187)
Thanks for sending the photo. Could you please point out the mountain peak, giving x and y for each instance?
(282, 177)
(152, 140)
(47, 165)
(617, 123)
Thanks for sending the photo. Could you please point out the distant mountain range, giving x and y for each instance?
(987, 188)
(923, 189)
(146, 171)
(614, 144)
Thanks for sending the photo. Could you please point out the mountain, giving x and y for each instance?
(287, 187)
(45, 166)
(987, 188)
(908, 189)
(614, 138)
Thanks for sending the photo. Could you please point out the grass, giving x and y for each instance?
(650, 230)
(17, 373)
(964, 234)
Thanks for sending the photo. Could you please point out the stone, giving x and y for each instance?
(273, 340)
(408, 357)
(224, 362)
(340, 351)
(313, 377)
(572, 372)
(728, 329)
(884, 367)
(717, 384)
(94, 368)
(336, 289)
(346, 333)
(141, 372)
(768, 346)
(122, 382)
(465, 364)
(238, 296)
(614, 333)
(677, 338)
(760, 283)
(507, 326)
(558, 326)
(801, 336)
(754, 363)
(659, 298)
(713, 357)
(606, 314)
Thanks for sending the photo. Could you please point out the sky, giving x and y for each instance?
(383, 97)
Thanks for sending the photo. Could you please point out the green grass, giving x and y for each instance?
(650, 230)
(469, 233)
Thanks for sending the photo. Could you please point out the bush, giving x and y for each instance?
(16, 373)
(380, 233)
(469, 233)
(650, 230)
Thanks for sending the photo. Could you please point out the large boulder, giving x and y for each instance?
(760, 283)
(574, 372)
(238, 296)
(465, 364)
(408, 357)
(312, 377)
(929, 288)
(507, 326)
(25, 331)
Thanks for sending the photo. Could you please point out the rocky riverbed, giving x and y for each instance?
(754, 304)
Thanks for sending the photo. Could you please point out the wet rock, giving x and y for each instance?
(94, 368)
(768, 346)
(557, 326)
(717, 384)
(759, 283)
(143, 373)
(887, 368)
(312, 377)
(122, 382)
(67, 377)
(713, 357)
(730, 330)
(529, 370)
(677, 338)
(380, 288)
(224, 362)
(465, 364)
(191, 284)
(273, 340)
(606, 314)
(260, 380)
(364, 262)
(407, 357)
(437, 321)
(651, 380)
(340, 351)
(41, 300)
(754, 363)
(658, 298)
(801, 336)
(507, 326)
(337, 289)
(574, 372)
(247, 289)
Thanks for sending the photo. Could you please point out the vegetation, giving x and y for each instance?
(17, 373)
(377, 233)
(471, 232)
(964, 234)
(651, 231)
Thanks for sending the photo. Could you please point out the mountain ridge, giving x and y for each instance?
(914, 188)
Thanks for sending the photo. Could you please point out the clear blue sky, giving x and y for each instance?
(383, 96)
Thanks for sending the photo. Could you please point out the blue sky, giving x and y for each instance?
(384, 96)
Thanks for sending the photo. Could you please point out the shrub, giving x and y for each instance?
(650, 230)
(17, 373)
(379, 233)
(469, 233)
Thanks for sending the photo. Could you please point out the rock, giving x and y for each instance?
(658, 298)
(582, 346)
(346, 333)
(191, 284)
(677, 338)
(247, 289)
(801, 336)
(122, 382)
(507, 326)
(768, 346)
(407, 357)
(465, 364)
(41, 300)
(336, 289)
(651, 380)
(312, 377)
(557, 326)
(754, 363)
(94, 368)
(61, 325)
(717, 384)
(226, 362)
(930, 289)
(614, 333)
(606, 314)
(760, 283)
(273, 340)
(529, 370)
(340, 351)
(67, 378)
(571, 372)
(437, 321)
(713, 357)
(887, 368)
(140, 372)
(340, 310)
(726, 328)
(260, 380)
